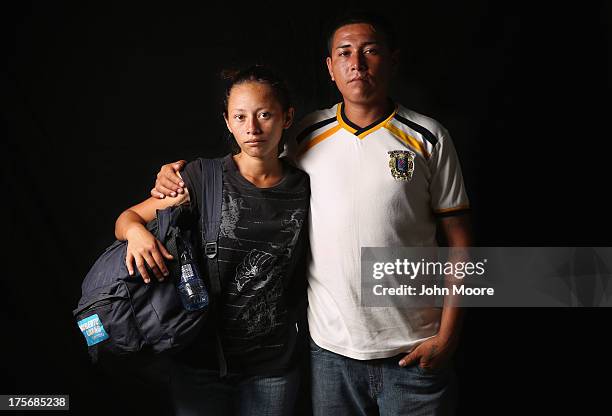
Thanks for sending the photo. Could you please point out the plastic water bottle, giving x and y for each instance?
(190, 286)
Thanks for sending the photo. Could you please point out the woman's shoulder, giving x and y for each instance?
(295, 173)
(291, 168)
(194, 167)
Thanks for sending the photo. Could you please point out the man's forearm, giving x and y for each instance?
(457, 231)
(450, 325)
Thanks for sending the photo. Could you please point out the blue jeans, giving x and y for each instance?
(197, 391)
(345, 386)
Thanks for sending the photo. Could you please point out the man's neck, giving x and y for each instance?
(365, 114)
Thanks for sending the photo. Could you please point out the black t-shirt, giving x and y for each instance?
(262, 263)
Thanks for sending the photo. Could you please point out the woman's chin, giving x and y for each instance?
(258, 153)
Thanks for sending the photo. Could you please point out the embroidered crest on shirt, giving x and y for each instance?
(401, 163)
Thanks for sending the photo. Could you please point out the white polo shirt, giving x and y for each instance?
(379, 186)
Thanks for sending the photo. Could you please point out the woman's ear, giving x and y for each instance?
(227, 122)
(289, 118)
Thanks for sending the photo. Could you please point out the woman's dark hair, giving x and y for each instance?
(256, 73)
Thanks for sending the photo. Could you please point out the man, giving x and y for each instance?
(381, 176)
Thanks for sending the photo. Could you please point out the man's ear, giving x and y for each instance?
(395, 60)
(289, 118)
(328, 61)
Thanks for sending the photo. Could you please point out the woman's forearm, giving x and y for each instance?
(135, 218)
(128, 220)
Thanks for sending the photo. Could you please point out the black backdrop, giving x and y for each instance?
(100, 95)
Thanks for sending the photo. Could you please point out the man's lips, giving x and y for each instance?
(255, 141)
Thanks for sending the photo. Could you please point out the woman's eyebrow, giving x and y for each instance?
(245, 111)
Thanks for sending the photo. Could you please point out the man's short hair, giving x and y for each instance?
(380, 24)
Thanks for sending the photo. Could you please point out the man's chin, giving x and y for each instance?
(361, 98)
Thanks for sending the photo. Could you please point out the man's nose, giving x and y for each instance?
(358, 62)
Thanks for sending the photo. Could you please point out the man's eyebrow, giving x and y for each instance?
(367, 43)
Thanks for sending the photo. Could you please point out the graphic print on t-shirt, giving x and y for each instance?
(262, 262)
(260, 229)
(255, 265)
(231, 215)
(263, 314)
(261, 269)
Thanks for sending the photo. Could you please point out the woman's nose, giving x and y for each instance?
(253, 126)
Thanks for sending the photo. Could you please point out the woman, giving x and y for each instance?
(262, 246)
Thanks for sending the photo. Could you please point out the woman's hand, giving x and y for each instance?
(144, 249)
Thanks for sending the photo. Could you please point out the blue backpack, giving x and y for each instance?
(122, 317)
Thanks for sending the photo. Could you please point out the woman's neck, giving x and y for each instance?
(263, 173)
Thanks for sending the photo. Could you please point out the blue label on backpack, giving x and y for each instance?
(93, 329)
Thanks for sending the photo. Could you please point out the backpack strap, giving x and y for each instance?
(210, 214)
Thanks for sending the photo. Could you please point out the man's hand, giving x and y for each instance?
(431, 354)
(169, 182)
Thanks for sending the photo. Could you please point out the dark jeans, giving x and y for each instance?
(197, 391)
(344, 386)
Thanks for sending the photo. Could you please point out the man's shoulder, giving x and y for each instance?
(314, 121)
(319, 115)
(432, 129)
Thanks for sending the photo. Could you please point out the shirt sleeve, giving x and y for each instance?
(447, 189)
(192, 175)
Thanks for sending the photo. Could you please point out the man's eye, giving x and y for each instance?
(343, 53)
(264, 115)
(239, 117)
(372, 51)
